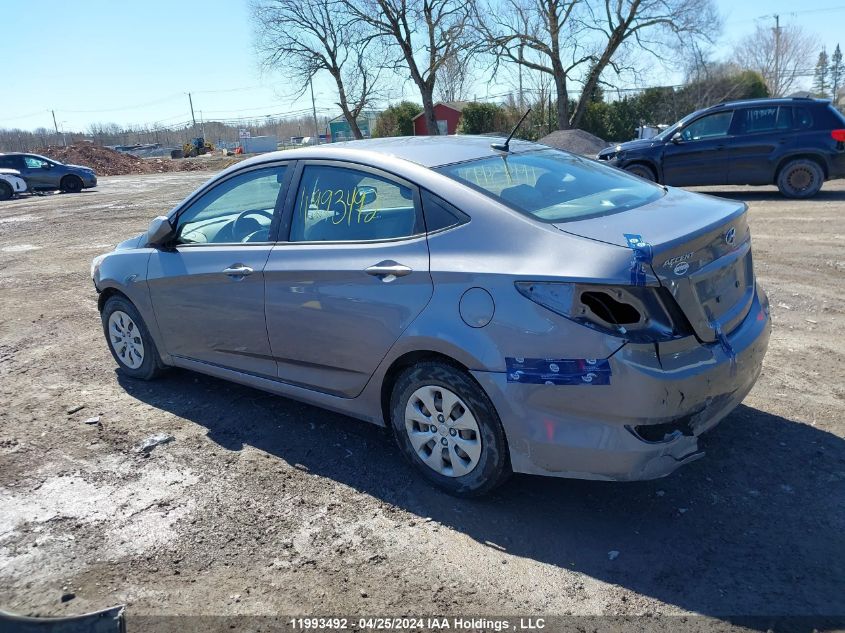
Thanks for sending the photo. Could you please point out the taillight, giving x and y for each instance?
(637, 314)
(838, 135)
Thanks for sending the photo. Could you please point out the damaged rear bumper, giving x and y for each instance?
(646, 422)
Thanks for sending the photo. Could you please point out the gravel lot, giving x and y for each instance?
(263, 505)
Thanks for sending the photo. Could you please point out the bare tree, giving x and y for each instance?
(653, 26)
(577, 40)
(452, 79)
(780, 60)
(305, 38)
(424, 33)
(536, 34)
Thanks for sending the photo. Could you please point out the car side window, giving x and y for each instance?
(34, 163)
(7, 162)
(754, 120)
(340, 204)
(240, 209)
(802, 119)
(710, 126)
(439, 214)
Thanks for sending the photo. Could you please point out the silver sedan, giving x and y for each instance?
(502, 308)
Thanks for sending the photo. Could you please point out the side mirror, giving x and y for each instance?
(370, 194)
(46, 166)
(160, 231)
(677, 138)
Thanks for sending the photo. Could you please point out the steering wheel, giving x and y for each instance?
(244, 226)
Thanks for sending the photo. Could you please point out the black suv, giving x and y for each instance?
(795, 143)
(45, 174)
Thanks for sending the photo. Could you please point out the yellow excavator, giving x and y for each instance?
(197, 147)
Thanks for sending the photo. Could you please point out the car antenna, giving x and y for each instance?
(506, 146)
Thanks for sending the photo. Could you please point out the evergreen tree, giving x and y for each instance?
(837, 73)
(820, 82)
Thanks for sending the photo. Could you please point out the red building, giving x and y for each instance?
(448, 116)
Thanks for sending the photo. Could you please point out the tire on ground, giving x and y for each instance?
(152, 365)
(493, 465)
(6, 191)
(800, 178)
(71, 184)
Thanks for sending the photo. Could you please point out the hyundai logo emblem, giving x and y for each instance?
(730, 236)
(681, 268)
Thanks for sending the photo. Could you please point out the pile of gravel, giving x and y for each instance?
(575, 141)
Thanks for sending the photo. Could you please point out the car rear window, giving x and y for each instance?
(553, 186)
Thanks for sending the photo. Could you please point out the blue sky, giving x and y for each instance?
(132, 62)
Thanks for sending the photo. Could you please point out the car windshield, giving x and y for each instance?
(669, 131)
(553, 186)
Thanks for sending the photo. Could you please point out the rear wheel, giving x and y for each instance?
(801, 178)
(71, 184)
(448, 429)
(643, 171)
(129, 340)
(6, 191)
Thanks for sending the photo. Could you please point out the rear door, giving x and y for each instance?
(760, 136)
(207, 289)
(698, 156)
(352, 276)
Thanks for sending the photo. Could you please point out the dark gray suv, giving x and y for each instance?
(795, 143)
(45, 174)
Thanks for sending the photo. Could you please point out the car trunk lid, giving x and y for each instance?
(699, 248)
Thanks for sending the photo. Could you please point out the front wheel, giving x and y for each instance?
(6, 192)
(448, 429)
(129, 340)
(643, 171)
(801, 178)
(71, 184)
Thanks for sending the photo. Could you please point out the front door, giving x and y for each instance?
(208, 287)
(698, 156)
(38, 173)
(353, 275)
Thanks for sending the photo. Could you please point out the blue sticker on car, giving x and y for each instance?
(643, 254)
(558, 371)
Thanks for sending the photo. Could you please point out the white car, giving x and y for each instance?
(11, 183)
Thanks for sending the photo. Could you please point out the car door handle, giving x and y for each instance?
(238, 270)
(388, 270)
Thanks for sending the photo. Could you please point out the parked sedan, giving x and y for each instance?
(517, 309)
(45, 174)
(796, 144)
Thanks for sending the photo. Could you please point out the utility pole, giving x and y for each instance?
(193, 118)
(776, 82)
(56, 125)
(314, 110)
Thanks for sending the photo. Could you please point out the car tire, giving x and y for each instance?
(71, 184)
(643, 171)
(800, 178)
(6, 191)
(129, 340)
(466, 454)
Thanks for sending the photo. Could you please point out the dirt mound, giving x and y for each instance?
(109, 162)
(104, 161)
(575, 141)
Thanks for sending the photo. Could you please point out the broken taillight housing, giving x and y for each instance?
(640, 314)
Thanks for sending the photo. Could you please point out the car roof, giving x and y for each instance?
(427, 151)
(769, 101)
